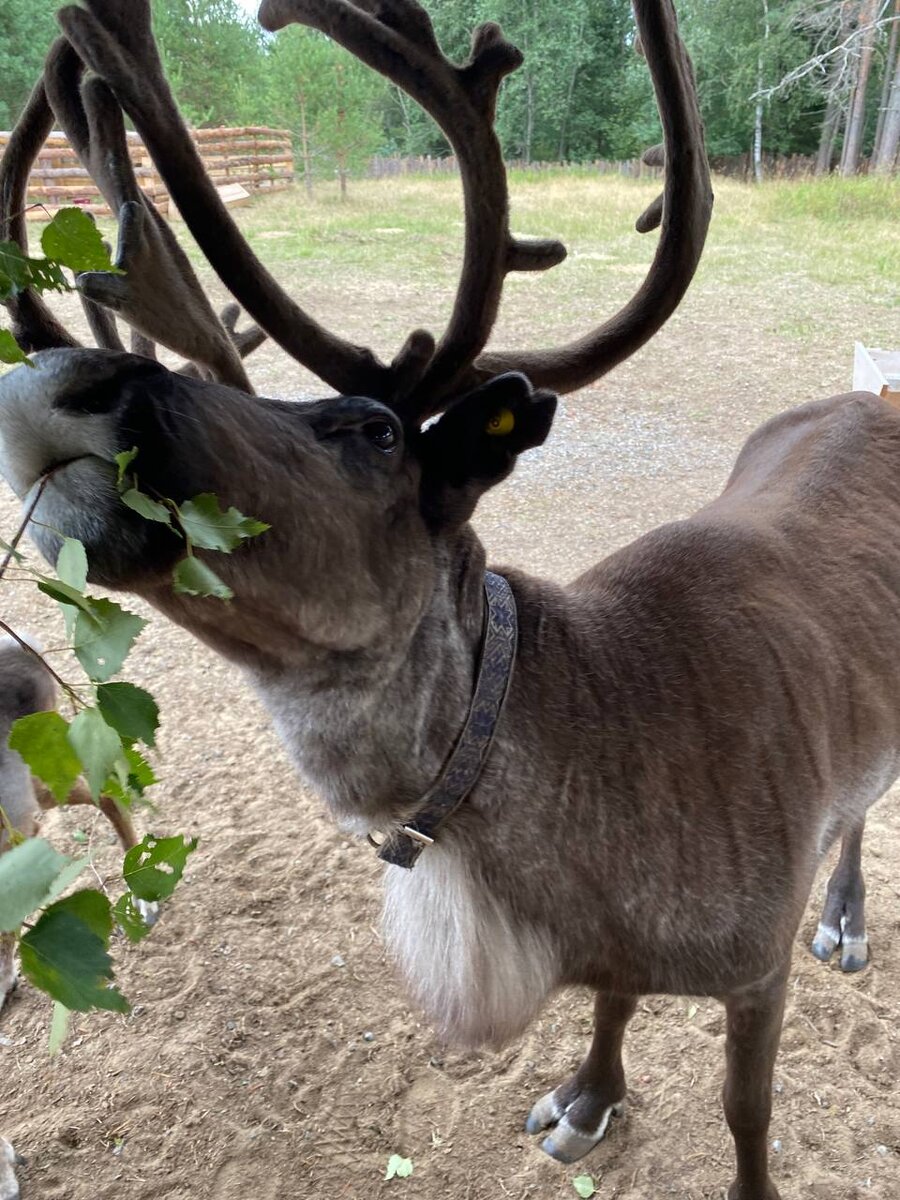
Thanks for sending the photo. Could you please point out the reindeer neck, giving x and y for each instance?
(371, 730)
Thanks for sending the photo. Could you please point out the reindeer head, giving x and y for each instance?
(362, 494)
(358, 502)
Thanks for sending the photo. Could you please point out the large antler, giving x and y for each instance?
(114, 38)
(395, 37)
(117, 43)
(159, 295)
(34, 325)
(684, 212)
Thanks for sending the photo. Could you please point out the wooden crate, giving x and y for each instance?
(877, 371)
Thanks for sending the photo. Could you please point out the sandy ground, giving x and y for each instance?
(270, 1053)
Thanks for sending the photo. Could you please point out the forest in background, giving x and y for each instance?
(813, 77)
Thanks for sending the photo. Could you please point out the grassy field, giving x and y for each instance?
(799, 257)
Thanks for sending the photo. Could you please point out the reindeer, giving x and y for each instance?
(26, 686)
(627, 783)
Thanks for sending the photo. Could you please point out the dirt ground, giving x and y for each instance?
(270, 1053)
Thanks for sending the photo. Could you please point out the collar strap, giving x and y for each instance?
(464, 766)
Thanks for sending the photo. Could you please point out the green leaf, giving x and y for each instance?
(27, 873)
(74, 240)
(59, 1027)
(399, 1166)
(42, 740)
(104, 633)
(65, 953)
(97, 745)
(194, 578)
(47, 276)
(63, 593)
(153, 868)
(147, 507)
(131, 711)
(71, 564)
(210, 528)
(140, 775)
(11, 351)
(71, 567)
(11, 551)
(131, 777)
(15, 270)
(585, 1187)
(66, 876)
(18, 272)
(130, 919)
(123, 462)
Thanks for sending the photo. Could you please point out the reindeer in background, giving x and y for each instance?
(26, 686)
(625, 783)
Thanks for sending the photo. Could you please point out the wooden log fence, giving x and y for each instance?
(258, 158)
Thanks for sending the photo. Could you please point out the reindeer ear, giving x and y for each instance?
(475, 444)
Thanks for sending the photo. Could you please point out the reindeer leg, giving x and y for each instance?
(9, 1160)
(754, 1028)
(578, 1111)
(8, 978)
(843, 920)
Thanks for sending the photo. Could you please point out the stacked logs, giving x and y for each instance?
(258, 158)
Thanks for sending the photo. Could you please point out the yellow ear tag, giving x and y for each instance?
(504, 422)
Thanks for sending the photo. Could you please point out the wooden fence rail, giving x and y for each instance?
(739, 166)
(258, 158)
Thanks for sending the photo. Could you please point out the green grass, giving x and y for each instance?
(806, 261)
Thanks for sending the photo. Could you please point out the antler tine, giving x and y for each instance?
(155, 265)
(396, 38)
(101, 321)
(34, 325)
(102, 324)
(245, 340)
(685, 210)
(142, 345)
(114, 38)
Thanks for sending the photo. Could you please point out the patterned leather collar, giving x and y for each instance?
(464, 766)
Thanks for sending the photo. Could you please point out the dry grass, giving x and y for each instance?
(815, 246)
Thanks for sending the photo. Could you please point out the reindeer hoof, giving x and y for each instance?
(825, 942)
(149, 910)
(737, 1192)
(854, 950)
(854, 954)
(569, 1141)
(545, 1113)
(9, 1186)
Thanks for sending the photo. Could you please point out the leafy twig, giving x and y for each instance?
(10, 554)
(66, 687)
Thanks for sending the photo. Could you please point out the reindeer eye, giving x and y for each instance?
(381, 434)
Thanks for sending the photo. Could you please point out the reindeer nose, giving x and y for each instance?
(56, 410)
